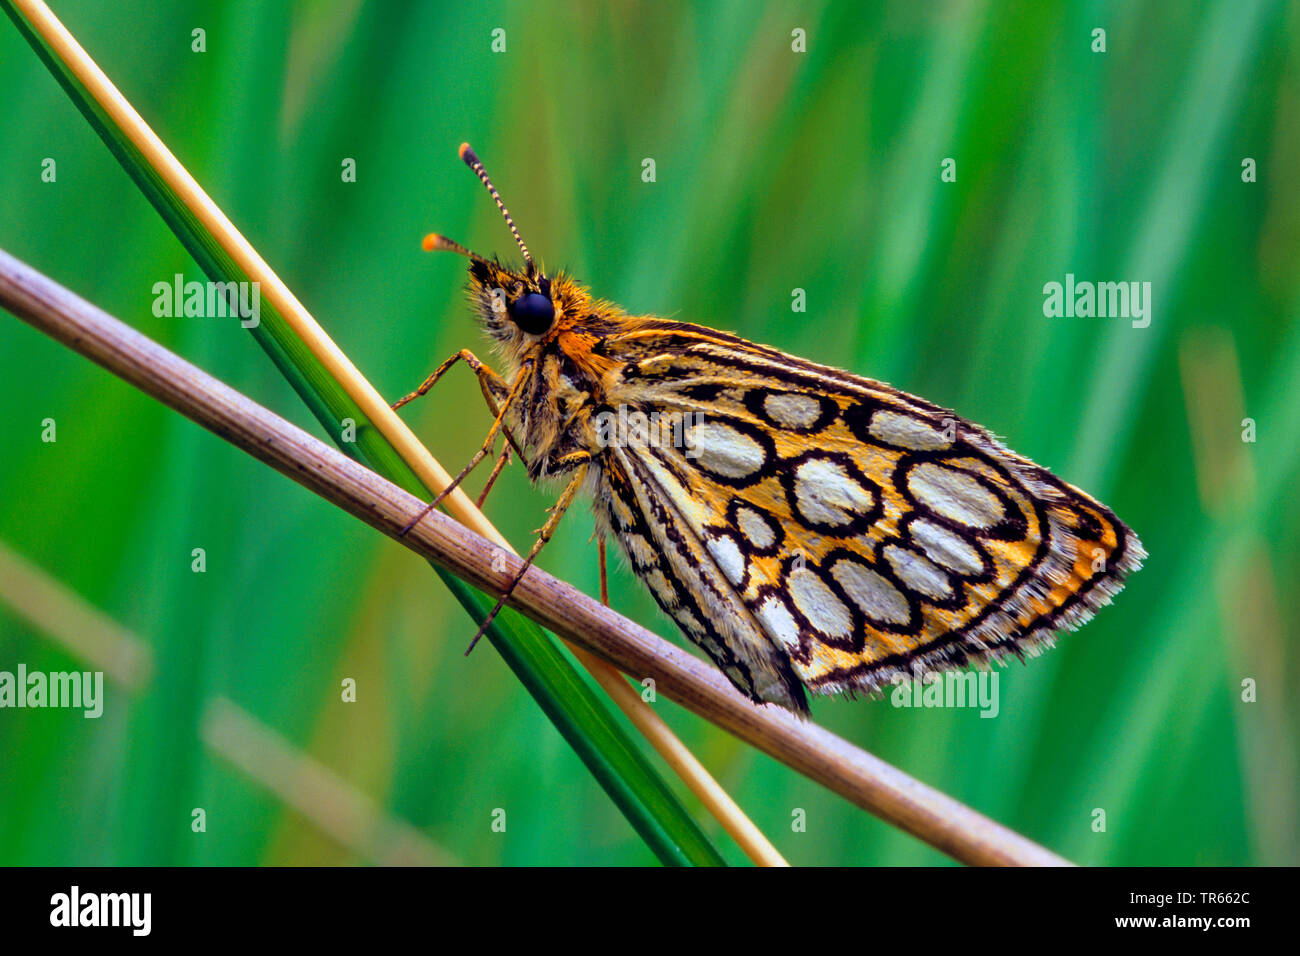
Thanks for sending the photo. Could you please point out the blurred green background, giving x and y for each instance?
(775, 170)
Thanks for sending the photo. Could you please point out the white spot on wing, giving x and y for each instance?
(946, 547)
(755, 528)
(954, 495)
(824, 493)
(727, 553)
(918, 573)
(904, 431)
(778, 621)
(818, 603)
(870, 591)
(725, 451)
(792, 409)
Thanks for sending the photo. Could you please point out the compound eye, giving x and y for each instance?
(533, 312)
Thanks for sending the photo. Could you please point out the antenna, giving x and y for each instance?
(473, 162)
(434, 242)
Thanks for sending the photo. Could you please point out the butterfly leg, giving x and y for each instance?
(604, 579)
(503, 459)
(493, 386)
(495, 391)
(483, 451)
(484, 374)
(543, 536)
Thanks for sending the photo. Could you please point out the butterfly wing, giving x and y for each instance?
(808, 526)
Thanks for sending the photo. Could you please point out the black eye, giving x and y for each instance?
(533, 312)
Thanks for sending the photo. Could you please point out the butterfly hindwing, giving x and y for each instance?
(649, 514)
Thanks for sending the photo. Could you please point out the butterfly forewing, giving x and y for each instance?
(813, 527)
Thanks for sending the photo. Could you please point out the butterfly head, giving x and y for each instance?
(517, 306)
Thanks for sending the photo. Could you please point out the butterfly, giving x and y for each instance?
(809, 529)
